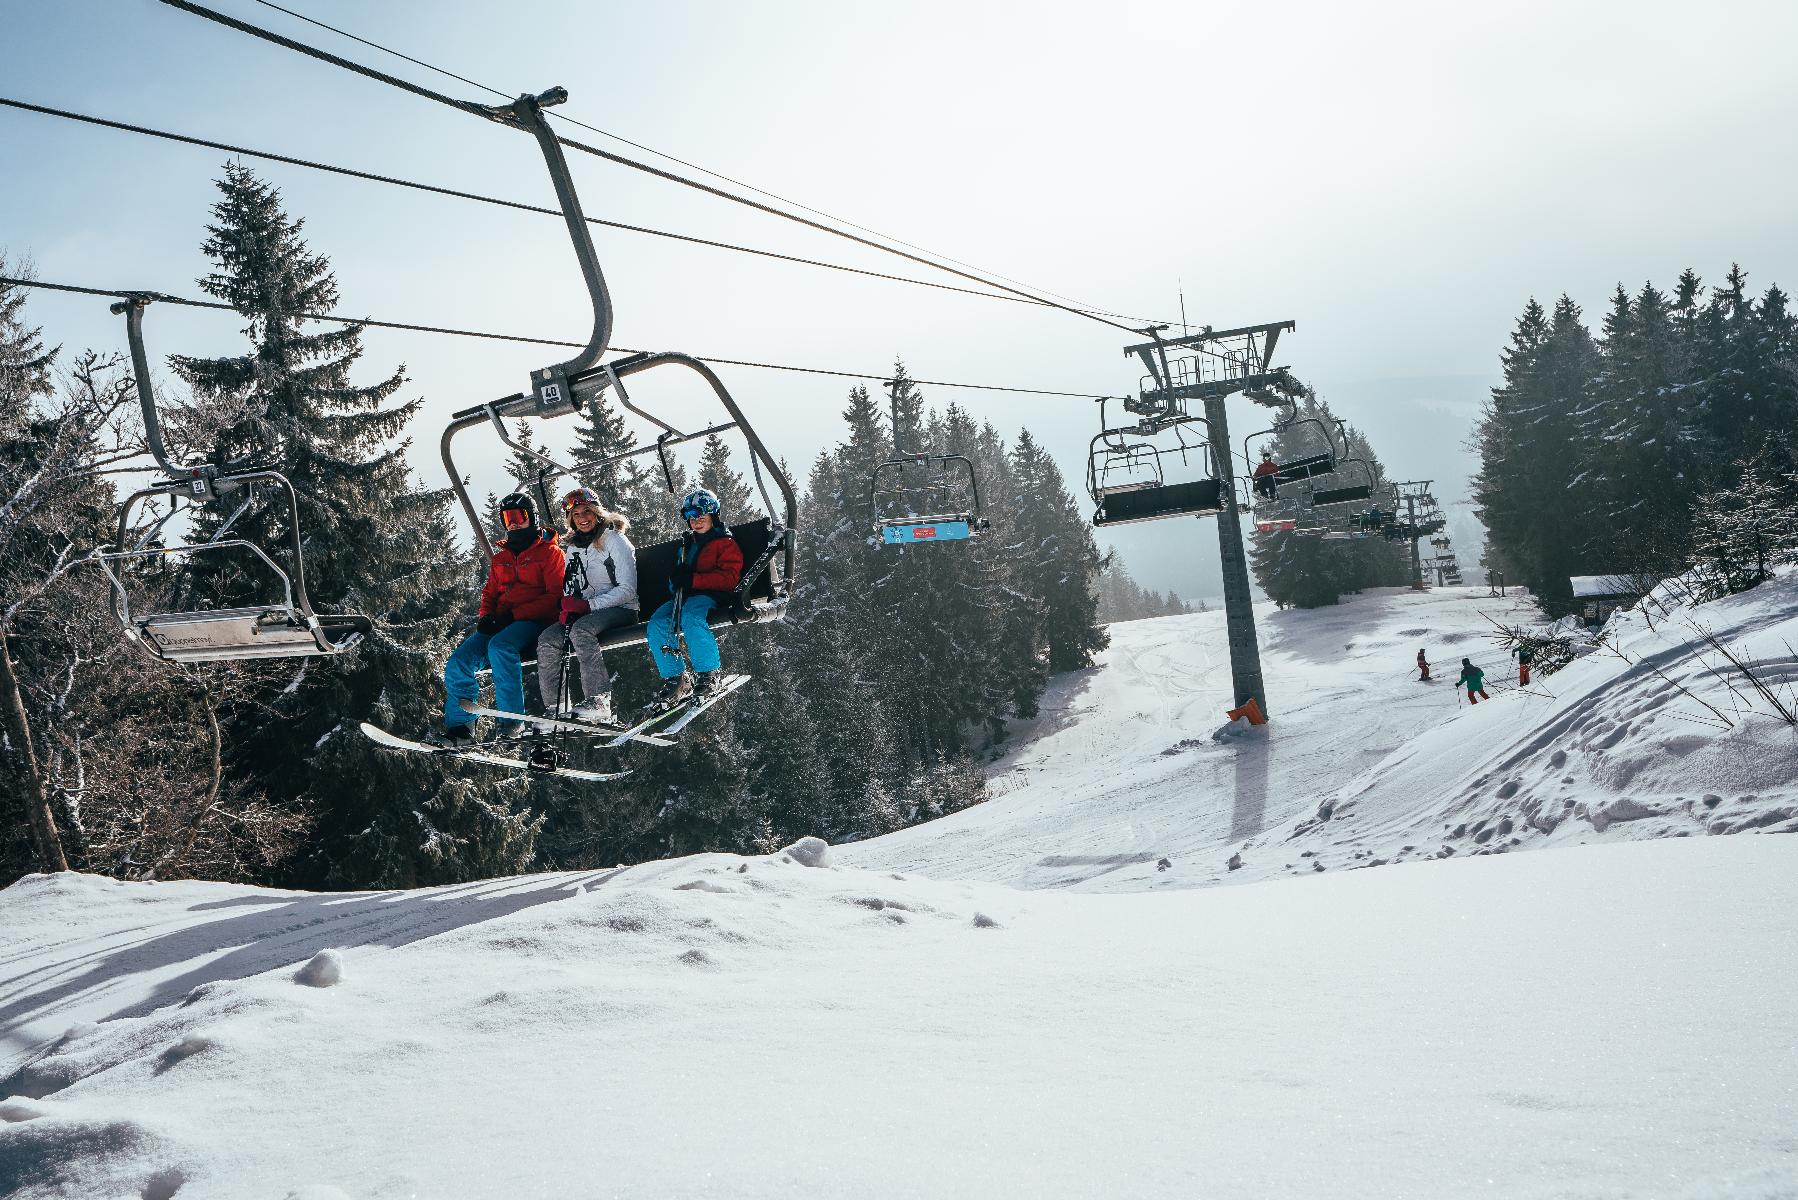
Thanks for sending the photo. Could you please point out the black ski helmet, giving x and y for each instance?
(518, 500)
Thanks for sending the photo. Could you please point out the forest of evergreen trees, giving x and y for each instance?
(1662, 443)
(872, 704)
(1121, 598)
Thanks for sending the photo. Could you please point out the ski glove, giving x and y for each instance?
(573, 609)
(492, 623)
(681, 576)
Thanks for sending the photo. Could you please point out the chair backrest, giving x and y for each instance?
(1200, 497)
(926, 529)
(1347, 495)
(655, 564)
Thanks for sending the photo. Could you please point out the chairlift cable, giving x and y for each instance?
(312, 164)
(734, 182)
(473, 109)
(115, 293)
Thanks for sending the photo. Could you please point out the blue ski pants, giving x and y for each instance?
(702, 643)
(504, 652)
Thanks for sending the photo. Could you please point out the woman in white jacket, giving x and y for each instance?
(599, 593)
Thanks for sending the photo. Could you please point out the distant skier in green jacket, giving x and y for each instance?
(1474, 680)
(1525, 656)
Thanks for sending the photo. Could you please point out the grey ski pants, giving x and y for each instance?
(585, 633)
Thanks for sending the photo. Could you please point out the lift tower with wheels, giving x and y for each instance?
(1209, 366)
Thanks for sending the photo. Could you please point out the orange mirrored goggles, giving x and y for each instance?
(515, 518)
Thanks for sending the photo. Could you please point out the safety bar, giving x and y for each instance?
(295, 584)
(604, 376)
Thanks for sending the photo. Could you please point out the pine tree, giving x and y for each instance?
(1743, 529)
(1060, 558)
(376, 542)
(634, 486)
(1530, 489)
(733, 492)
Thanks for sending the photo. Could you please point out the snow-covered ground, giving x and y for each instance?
(1130, 780)
(948, 1012)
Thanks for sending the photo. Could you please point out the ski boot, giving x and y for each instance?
(595, 710)
(451, 737)
(704, 684)
(674, 691)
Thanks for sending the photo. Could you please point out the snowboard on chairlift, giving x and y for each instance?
(669, 721)
(391, 741)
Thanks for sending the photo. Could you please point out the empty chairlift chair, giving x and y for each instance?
(948, 481)
(1126, 475)
(284, 628)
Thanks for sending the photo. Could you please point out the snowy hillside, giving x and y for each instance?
(946, 1012)
(1122, 772)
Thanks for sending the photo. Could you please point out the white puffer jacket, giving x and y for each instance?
(603, 573)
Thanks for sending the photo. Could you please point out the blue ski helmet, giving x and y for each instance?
(699, 502)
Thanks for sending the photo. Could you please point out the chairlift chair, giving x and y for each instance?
(957, 524)
(1126, 474)
(1352, 493)
(768, 544)
(287, 628)
(1306, 466)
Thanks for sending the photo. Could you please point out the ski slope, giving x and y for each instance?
(951, 1012)
(1131, 779)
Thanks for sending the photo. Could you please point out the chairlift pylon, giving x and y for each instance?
(953, 524)
(562, 389)
(288, 628)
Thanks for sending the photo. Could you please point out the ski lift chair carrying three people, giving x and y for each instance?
(680, 571)
(284, 628)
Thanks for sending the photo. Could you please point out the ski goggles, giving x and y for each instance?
(580, 498)
(515, 518)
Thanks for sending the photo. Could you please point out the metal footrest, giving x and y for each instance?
(246, 633)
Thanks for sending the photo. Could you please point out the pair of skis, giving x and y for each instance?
(477, 754)
(660, 728)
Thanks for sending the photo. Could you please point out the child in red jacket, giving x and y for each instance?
(522, 598)
(706, 574)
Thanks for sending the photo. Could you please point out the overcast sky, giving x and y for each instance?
(1397, 178)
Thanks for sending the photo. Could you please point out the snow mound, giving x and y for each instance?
(809, 852)
(322, 970)
(497, 1043)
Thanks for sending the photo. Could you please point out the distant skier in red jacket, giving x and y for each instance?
(1267, 476)
(522, 598)
(706, 574)
(1423, 668)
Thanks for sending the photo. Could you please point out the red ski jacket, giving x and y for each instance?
(719, 564)
(527, 585)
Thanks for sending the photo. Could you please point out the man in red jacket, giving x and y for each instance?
(522, 598)
(706, 574)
